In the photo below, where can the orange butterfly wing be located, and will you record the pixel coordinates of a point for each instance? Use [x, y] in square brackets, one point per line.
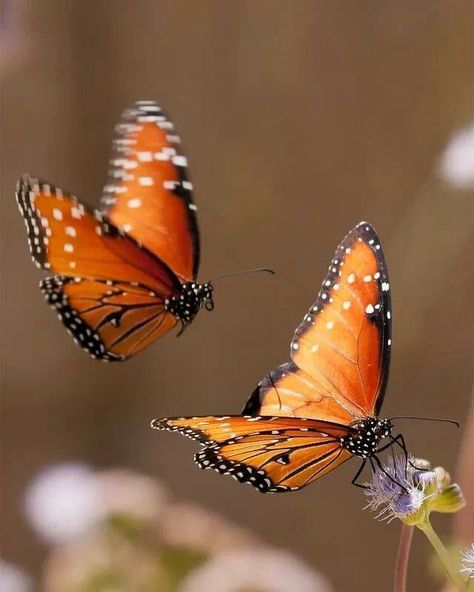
[111, 320]
[149, 195]
[290, 392]
[343, 343]
[110, 293]
[274, 454]
[341, 350]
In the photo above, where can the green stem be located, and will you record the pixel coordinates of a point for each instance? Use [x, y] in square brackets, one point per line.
[443, 555]
[403, 555]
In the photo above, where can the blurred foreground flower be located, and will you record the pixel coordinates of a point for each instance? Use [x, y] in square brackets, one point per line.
[124, 492]
[189, 525]
[117, 531]
[13, 579]
[457, 162]
[259, 569]
[409, 489]
[63, 502]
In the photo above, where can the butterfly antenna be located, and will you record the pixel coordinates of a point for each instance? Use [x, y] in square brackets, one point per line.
[245, 272]
[442, 419]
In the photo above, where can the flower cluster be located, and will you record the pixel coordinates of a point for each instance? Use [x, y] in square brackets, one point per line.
[122, 531]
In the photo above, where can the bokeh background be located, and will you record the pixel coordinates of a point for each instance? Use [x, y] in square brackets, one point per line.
[299, 119]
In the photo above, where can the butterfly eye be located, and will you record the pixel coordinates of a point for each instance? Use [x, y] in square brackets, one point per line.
[209, 304]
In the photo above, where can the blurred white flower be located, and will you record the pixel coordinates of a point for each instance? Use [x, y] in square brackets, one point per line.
[457, 162]
[467, 562]
[259, 569]
[13, 579]
[63, 502]
[132, 494]
[187, 525]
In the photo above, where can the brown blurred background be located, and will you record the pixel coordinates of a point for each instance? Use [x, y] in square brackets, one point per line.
[299, 119]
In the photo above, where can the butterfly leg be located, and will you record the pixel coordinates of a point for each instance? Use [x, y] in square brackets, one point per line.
[359, 471]
[400, 441]
[387, 474]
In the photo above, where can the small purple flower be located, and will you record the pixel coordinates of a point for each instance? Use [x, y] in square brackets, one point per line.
[411, 491]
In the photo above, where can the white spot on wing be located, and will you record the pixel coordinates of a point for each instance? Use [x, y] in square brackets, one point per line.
[135, 202]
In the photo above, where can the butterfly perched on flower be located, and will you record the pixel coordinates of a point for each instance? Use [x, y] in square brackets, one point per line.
[311, 414]
[124, 274]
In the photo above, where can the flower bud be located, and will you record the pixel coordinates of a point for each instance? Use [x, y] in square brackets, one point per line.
[449, 500]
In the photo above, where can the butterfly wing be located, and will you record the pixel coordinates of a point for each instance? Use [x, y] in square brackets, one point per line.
[111, 320]
[274, 454]
[343, 343]
[109, 291]
[288, 391]
[149, 195]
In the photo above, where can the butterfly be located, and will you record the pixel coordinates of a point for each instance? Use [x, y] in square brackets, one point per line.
[311, 414]
[124, 274]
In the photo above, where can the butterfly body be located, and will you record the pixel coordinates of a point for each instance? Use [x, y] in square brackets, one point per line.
[368, 432]
[124, 274]
[189, 300]
[311, 414]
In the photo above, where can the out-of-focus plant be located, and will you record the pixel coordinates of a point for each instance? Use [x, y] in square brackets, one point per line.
[467, 562]
[412, 491]
[120, 531]
[13, 579]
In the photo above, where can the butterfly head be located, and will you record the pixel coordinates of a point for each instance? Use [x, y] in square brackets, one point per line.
[365, 438]
[206, 295]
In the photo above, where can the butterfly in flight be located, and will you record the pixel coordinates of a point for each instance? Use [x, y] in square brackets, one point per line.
[124, 274]
[310, 415]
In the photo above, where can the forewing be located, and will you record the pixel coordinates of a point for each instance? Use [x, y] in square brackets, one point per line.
[149, 195]
[274, 454]
[343, 343]
[66, 238]
[111, 320]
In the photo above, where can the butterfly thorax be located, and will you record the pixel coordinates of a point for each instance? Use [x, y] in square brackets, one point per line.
[186, 303]
[365, 439]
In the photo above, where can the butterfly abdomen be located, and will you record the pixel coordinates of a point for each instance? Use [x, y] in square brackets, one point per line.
[364, 441]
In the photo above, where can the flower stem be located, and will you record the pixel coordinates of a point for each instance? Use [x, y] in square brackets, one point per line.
[401, 566]
[443, 555]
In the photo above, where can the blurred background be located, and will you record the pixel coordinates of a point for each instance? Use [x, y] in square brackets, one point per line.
[299, 119]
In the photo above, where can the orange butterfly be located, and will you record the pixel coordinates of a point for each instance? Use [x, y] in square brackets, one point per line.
[310, 415]
[124, 274]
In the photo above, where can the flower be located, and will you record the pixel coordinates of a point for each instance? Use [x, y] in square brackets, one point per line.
[411, 491]
[188, 525]
[457, 162]
[13, 579]
[254, 568]
[69, 500]
[467, 561]
[63, 502]
[125, 493]
[101, 561]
